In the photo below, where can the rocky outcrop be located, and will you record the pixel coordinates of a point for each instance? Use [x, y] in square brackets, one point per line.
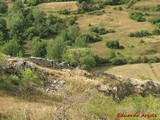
[117, 86]
[53, 86]
[130, 86]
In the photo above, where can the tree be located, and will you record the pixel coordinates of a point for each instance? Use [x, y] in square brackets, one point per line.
[18, 6]
[38, 15]
[3, 7]
[16, 23]
[11, 48]
[81, 57]
[3, 31]
[38, 48]
[56, 48]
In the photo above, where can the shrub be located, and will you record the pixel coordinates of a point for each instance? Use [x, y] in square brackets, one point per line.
[56, 48]
[98, 30]
[118, 60]
[81, 57]
[96, 12]
[113, 44]
[91, 37]
[156, 8]
[38, 48]
[28, 80]
[139, 34]
[139, 17]
[100, 60]
[156, 31]
[115, 58]
[64, 12]
[155, 20]
[118, 8]
[11, 48]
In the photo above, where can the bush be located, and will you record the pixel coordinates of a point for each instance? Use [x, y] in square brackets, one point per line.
[156, 31]
[115, 58]
[100, 60]
[56, 48]
[38, 48]
[91, 37]
[140, 34]
[11, 48]
[118, 61]
[64, 12]
[155, 20]
[98, 30]
[87, 7]
[28, 80]
[118, 8]
[139, 17]
[81, 57]
[113, 44]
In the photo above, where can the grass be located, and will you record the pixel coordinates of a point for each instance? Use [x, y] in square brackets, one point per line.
[55, 6]
[138, 71]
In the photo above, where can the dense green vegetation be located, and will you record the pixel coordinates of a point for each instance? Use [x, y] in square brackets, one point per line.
[146, 8]
[22, 83]
[140, 34]
[139, 17]
[96, 108]
[25, 22]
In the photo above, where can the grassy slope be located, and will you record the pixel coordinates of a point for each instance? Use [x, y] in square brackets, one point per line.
[140, 71]
[117, 20]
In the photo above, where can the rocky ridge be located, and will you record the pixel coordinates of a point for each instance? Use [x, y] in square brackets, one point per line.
[117, 86]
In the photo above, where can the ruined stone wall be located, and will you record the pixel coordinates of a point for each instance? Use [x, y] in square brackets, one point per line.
[48, 63]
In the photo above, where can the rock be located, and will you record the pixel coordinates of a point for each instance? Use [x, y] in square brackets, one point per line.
[124, 88]
[53, 86]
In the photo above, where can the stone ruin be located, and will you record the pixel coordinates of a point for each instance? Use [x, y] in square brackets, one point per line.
[48, 63]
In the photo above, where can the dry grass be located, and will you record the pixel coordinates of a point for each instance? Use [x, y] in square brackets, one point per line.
[148, 3]
[13, 106]
[55, 6]
[140, 71]
[122, 24]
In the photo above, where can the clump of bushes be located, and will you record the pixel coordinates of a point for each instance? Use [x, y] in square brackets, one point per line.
[114, 44]
[91, 37]
[137, 16]
[81, 57]
[100, 30]
[156, 31]
[118, 8]
[85, 6]
[155, 20]
[116, 58]
[139, 34]
[23, 83]
[96, 12]
[64, 12]
[147, 8]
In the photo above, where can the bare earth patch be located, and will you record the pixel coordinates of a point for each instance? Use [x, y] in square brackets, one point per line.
[55, 6]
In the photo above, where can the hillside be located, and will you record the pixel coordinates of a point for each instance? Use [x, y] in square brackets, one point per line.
[79, 87]
[79, 59]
